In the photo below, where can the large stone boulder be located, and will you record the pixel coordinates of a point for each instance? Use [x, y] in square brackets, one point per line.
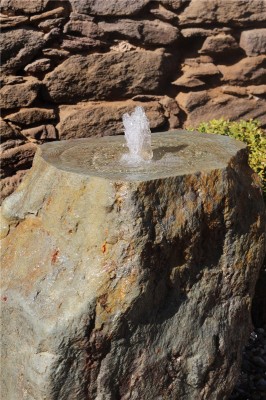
[106, 76]
[130, 282]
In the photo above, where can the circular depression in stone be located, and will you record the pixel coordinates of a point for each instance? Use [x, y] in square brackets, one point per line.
[174, 153]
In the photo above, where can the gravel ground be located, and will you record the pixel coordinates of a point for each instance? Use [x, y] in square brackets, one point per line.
[252, 381]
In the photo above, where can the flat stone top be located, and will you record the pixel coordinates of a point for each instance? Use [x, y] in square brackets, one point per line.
[174, 153]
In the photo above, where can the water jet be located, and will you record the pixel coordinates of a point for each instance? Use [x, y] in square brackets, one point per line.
[138, 137]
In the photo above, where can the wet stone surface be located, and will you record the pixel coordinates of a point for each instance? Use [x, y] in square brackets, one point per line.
[173, 154]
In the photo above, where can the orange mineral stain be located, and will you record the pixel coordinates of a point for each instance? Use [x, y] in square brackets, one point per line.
[104, 248]
[54, 256]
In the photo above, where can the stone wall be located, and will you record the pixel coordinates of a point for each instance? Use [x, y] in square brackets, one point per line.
[70, 69]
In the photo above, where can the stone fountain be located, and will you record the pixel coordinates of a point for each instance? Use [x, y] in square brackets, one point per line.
[130, 279]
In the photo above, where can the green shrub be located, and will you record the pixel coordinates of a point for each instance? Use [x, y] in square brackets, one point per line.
[248, 132]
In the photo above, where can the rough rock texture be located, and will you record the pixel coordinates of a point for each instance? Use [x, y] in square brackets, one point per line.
[25, 6]
[12, 21]
[250, 69]
[79, 44]
[253, 42]
[175, 5]
[9, 184]
[84, 27]
[55, 13]
[18, 47]
[129, 284]
[40, 133]
[7, 131]
[57, 54]
[19, 95]
[37, 66]
[197, 32]
[201, 106]
[29, 116]
[48, 24]
[149, 32]
[233, 12]
[126, 27]
[160, 33]
[161, 12]
[110, 7]
[103, 118]
[16, 157]
[219, 44]
[195, 73]
[105, 76]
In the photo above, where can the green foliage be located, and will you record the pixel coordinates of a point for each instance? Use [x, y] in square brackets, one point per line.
[248, 132]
